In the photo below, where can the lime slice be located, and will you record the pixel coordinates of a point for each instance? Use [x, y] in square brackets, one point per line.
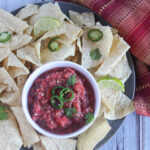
[45, 24]
[111, 83]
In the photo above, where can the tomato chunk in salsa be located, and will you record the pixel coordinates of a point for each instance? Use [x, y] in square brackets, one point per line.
[55, 120]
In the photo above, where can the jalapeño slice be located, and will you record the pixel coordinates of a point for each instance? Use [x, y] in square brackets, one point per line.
[56, 102]
[4, 37]
[66, 95]
[56, 90]
[95, 35]
[53, 44]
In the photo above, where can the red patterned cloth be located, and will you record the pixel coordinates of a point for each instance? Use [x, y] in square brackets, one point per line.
[132, 19]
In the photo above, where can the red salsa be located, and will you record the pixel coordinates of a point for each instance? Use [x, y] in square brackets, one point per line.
[60, 99]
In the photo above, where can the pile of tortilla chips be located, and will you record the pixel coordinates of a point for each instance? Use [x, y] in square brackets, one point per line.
[23, 53]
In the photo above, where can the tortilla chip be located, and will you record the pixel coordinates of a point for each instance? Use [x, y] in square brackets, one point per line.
[4, 28]
[5, 78]
[38, 49]
[21, 80]
[91, 137]
[58, 144]
[60, 55]
[2, 87]
[79, 44]
[69, 58]
[86, 18]
[99, 24]
[48, 10]
[29, 135]
[101, 111]
[75, 58]
[17, 41]
[114, 31]
[117, 104]
[121, 70]
[11, 98]
[28, 31]
[10, 138]
[104, 46]
[4, 52]
[67, 32]
[38, 146]
[11, 22]
[12, 60]
[23, 61]
[28, 65]
[28, 53]
[27, 11]
[33, 67]
[108, 98]
[92, 71]
[118, 50]
[64, 39]
[15, 67]
[72, 32]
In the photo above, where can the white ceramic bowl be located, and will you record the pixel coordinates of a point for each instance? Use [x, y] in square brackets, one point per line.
[45, 68]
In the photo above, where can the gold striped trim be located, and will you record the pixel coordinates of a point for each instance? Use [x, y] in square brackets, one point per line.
[142, 87]
[104, 7]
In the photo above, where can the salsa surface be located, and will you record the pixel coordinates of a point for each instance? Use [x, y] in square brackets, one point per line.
[55, 120]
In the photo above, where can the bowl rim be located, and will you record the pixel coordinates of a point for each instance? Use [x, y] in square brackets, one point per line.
[49, 66]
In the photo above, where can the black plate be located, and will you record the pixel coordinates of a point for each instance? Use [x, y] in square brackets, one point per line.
[130, 84]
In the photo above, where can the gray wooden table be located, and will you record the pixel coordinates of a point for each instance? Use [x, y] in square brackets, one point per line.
[134, 134]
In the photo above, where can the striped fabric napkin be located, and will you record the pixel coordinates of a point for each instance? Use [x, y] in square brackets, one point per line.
[132, 19]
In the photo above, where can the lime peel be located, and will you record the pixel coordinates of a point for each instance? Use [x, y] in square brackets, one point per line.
[111, 83]
[44, 24]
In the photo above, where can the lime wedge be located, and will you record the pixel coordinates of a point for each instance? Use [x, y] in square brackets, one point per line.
[111, 83]
[45, 24]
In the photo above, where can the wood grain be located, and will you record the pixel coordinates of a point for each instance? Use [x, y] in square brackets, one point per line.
[134, 134]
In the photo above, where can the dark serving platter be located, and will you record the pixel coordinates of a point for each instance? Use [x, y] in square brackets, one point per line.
[130, 84]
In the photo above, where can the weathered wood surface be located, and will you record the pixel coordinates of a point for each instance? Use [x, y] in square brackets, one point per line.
[134, 134]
